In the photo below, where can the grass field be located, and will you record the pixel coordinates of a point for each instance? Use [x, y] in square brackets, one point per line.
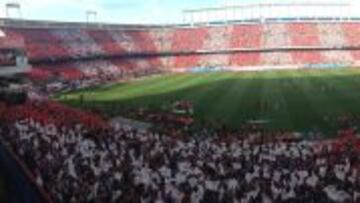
[296, 100]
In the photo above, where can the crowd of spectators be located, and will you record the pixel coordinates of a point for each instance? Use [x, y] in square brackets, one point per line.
[76, 157]
[57, 77]
[74, 44]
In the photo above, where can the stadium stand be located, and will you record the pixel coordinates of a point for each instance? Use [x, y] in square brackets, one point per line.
[80, 154]
[76, 156]
[332, 35]
[39, 73]
[217, 39]
[40, 43]
[143, 41]
[163, 42]
[351, 34]
[170, 48]
[48, 112]
[124, 40]
[305, 35]
[78, 42]
[146, 44]
[105, 41]
[188, 40]
[247, 37]
[10, 40]
[276, 36]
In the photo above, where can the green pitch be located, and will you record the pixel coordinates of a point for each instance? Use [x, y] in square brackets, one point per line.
[296, 100]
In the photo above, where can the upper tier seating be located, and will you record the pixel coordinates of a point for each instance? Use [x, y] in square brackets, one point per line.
[39, 43]
[125, 41]
[352, 37]
[78, 42]
[163, 43]
[106, 42]
[276, 36]
[217, 39]
[143, 41]
[248, 36]
[332, 35]
[305, 35]
[186, 40]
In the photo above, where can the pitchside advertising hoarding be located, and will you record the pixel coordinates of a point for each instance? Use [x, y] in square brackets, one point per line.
[267, 67]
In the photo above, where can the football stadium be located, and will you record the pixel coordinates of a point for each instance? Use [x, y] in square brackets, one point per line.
[232, 101]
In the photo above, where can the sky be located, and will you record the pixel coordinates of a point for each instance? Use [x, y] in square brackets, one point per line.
[150, 11]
